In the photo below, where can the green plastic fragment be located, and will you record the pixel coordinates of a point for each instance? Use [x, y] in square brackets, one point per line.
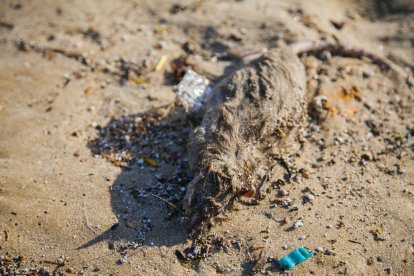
[294, 258]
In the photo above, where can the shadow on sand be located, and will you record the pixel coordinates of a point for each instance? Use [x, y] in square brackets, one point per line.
[146, 196]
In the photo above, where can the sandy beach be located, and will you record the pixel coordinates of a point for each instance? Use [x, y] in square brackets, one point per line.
[93, 145]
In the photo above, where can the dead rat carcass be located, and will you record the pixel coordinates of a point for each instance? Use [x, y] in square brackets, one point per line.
[247, 116]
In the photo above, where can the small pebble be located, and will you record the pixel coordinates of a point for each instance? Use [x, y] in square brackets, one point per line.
[122, 260]
[286, 202]
[308, 197]
[370, 261]
[283, 193]
[298, 224]
[285, 247]
[124, 37]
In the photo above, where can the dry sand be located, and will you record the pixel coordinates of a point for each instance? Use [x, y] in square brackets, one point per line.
[61, 197]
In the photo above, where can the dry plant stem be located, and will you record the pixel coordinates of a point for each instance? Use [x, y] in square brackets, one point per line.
[338, 49]
[26, 46]
[303, 47]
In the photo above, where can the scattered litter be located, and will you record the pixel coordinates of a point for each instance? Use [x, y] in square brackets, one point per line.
[193, 91]
[294, 258]
[161, 63]
[285, 247]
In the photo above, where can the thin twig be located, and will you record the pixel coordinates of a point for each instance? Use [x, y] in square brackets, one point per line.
[166, 201]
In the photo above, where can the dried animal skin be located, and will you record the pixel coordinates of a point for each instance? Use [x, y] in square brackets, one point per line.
[253, 108]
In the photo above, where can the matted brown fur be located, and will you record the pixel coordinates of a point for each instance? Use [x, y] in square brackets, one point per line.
[247, 116]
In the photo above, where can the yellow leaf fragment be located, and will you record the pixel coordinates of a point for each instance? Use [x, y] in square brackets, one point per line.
[138, 80]
[88, 90]
[376, 232]
[133, 223]
[150, 162]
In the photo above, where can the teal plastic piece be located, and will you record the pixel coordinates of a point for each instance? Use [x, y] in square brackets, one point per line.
[295, 257]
